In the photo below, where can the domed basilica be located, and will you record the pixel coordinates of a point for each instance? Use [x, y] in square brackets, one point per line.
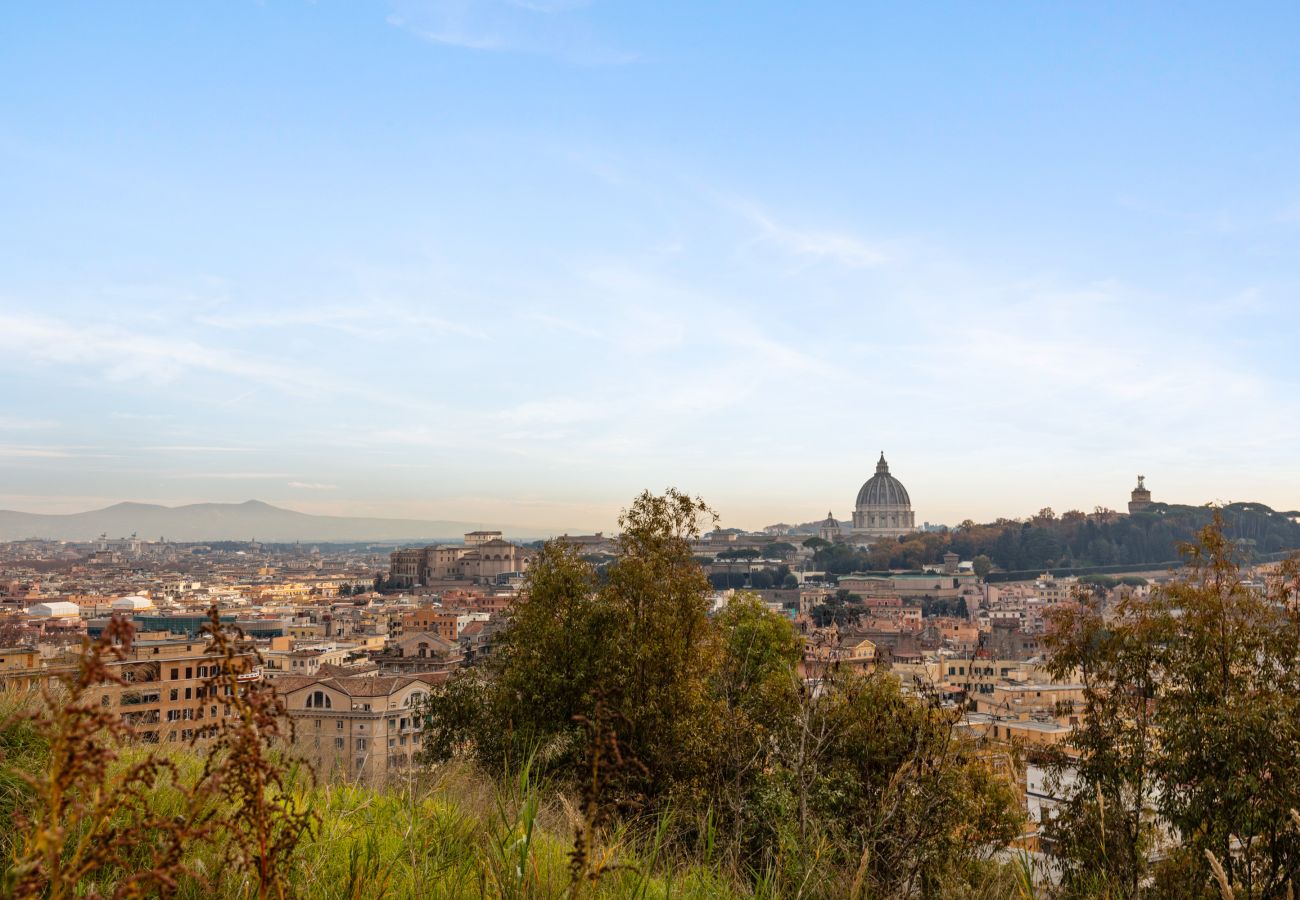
[883, 509]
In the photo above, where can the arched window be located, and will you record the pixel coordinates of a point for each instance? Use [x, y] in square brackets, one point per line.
[319, 700]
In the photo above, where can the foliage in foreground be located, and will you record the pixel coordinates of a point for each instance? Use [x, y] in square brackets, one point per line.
[103, 815]
[1189, 767]
[625, 689]
[628, 744]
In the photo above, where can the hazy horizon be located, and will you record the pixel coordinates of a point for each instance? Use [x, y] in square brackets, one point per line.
[610, 524]
[516, 262]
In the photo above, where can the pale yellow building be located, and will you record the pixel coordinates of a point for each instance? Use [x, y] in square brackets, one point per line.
[360, 728]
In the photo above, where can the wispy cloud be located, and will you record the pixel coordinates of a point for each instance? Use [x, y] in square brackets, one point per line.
[560, 324]
[228, 476]
[21, 451]
[543, 27]
[128, 355]
[312, 486]
[362, 320]
[818, 245]
[196, 448]
[16, 423]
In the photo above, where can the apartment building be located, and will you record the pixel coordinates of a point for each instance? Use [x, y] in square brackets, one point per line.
[164, 695]
[968, 678]
[361, 727]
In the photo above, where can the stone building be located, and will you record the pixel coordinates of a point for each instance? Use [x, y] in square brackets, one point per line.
[362, 728]
[883, 508]
[1140, 499]
[829, 530]
[483, 557]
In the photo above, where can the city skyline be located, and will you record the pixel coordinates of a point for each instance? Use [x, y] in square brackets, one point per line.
[517, 262]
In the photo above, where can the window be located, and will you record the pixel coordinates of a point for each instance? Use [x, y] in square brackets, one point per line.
[338, 723]
[361, 743]
[319, 700]
[176, 673]
[189, 672]
[338, 743]
[189, 693]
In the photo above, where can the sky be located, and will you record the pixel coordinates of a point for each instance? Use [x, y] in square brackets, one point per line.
[517, 260]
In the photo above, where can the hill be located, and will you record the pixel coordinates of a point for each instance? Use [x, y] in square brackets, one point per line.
[232, 521]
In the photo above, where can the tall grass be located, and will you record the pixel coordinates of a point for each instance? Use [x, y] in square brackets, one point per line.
[448, 834]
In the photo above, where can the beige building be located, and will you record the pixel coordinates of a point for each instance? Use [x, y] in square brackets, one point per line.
[1140, 498]
[362, 728]
[980, 676]
[304, 660]
[164, 697]
[483, 557]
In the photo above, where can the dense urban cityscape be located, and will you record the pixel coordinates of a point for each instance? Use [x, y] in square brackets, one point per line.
[577, 450]
[354, 637]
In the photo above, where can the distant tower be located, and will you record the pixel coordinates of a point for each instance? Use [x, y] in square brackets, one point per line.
[1140, 499]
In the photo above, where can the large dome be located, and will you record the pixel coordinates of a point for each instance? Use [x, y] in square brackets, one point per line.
[883, 489]
[884, 508]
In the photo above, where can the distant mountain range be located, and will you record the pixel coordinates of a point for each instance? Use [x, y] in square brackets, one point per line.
[233, 522]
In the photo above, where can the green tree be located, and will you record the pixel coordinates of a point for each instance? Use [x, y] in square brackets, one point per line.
[853, 787]
[895, 795]
[1208, 665]
[779, 550]
[1229, 717]
[982, 565]
[1103, 834]
[666, 648]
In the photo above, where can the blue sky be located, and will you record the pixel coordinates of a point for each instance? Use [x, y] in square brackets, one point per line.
[515, 261]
